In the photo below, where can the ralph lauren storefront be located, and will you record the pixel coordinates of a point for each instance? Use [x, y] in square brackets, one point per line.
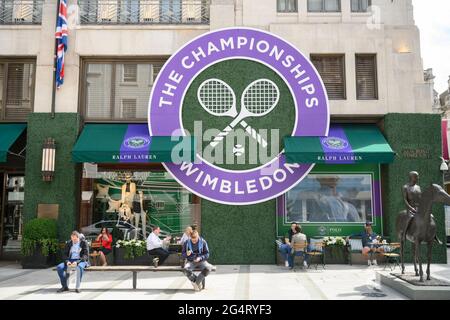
[265, 151]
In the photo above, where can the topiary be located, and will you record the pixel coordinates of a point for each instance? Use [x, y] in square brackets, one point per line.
[39, 233]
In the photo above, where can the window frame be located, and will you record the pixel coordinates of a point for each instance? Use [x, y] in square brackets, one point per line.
[4, 92]
[369, 4]
[323, 8]
[287, 11]
[127, 98]
[82, 102]
[123, 80]
[344, 71]
[374, 56]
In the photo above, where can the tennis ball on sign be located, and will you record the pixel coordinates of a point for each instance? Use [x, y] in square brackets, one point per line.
[238, 150]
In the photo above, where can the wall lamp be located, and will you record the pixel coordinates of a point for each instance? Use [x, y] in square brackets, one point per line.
[48, 159]
[444, 165]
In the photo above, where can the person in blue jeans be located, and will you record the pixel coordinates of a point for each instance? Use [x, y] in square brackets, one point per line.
[285, 248]
[299, 238]
[76, 255]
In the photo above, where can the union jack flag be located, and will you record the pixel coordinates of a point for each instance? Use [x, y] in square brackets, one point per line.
[61, 41]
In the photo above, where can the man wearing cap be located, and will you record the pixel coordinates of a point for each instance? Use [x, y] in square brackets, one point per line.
[369, 241]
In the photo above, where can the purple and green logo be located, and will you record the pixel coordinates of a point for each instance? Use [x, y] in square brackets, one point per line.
[239, 91]
[335, 143]
[136, 142]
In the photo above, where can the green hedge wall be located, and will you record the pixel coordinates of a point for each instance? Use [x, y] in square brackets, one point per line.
[416, 138]
[240, 234]
[64, 188]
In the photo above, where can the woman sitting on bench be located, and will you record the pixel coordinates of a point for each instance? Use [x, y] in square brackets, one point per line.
[106, 240]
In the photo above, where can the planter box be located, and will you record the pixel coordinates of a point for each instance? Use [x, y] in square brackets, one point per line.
[145, 260]
[335, 255]
[38, 260]
[119, 259]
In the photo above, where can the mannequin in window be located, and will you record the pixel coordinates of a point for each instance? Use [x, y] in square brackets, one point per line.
[139, 213]
[128, 191]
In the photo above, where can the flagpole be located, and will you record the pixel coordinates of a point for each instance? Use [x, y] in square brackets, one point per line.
[54, 63]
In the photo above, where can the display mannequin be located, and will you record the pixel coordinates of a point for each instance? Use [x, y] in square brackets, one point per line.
[126, 201]
[128, 191]
[139, 213]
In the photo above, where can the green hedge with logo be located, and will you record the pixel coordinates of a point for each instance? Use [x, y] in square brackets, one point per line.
[240, 234]
[416, 138]
[66, 184]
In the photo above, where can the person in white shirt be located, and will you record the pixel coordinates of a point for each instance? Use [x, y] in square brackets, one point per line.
[155, 246]
[298, 238]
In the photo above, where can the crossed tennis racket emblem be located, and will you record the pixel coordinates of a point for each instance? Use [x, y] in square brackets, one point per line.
[258, 99]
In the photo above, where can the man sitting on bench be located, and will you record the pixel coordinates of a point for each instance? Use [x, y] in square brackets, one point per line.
[155, 247]
[196, 252]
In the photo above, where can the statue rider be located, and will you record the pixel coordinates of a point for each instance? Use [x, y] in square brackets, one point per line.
[412, 193]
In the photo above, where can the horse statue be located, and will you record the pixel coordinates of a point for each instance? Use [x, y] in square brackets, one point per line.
[421, 227]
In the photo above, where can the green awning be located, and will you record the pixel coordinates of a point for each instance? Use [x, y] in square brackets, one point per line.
[345, 144]
[129, 143]
[9, 133]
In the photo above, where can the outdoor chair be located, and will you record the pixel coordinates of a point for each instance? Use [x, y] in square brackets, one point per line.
[315, 250]
[392, 255]
[299, 248]
[354, 246]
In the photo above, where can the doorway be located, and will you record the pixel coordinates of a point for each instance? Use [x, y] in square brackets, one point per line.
[11, 211]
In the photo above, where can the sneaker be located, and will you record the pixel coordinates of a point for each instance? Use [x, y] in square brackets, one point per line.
[374, 262]
[77, 290]
[200, 286]
[305, 264]
[62, 290]
[195, 285]
[369, 263]
[286, 264]
[155, 262]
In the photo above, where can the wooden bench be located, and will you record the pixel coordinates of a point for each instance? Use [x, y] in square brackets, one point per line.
[136, 269]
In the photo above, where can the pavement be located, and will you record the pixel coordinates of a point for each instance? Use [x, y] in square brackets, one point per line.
[230, 282]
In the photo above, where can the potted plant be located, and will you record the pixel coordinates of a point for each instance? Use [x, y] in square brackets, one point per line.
[131, 252]
[39, 244]
[334, 250]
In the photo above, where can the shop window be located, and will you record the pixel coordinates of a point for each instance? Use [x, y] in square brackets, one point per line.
[16, 90]
[324, 5]
[332, 71]
[287, 6]
[361, 5]
[366, 77]
[331, 198]
[165, 203]
[108, 85]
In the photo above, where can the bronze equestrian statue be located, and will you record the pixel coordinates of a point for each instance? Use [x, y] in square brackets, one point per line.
[417, 224]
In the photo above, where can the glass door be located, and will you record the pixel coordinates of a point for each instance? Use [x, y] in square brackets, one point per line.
[12, 215]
